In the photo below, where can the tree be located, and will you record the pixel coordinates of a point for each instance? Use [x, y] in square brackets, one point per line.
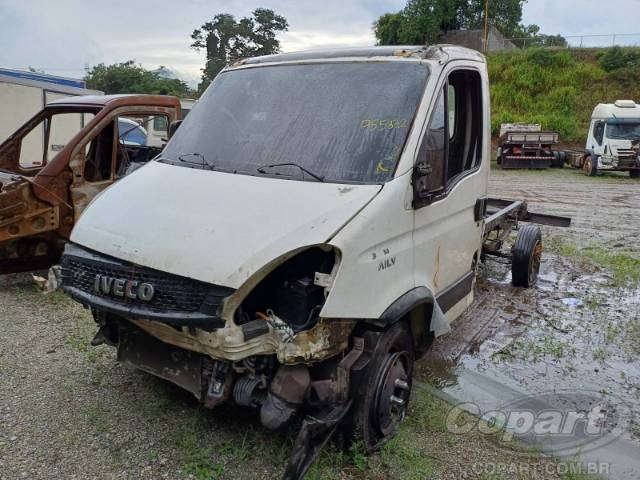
[226, 40]
[530, 36]
[423, 21]
[129, 77]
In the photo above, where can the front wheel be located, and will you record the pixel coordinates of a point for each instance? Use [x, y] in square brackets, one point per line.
[589, 166]
[380, 407]
[526, 257]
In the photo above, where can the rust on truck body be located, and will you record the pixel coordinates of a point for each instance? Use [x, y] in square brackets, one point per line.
[39, 205]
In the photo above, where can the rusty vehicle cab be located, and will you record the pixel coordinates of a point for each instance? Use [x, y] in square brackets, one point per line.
[314, 224]
[57, 162]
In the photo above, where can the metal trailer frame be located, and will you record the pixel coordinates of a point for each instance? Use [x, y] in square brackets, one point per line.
[502, 217]
[528, 150]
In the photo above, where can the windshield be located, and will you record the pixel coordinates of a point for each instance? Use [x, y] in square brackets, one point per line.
[624, 131]
[344, 122]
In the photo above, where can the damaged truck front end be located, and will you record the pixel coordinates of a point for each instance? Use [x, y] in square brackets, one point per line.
[263, 346]
[226, 344]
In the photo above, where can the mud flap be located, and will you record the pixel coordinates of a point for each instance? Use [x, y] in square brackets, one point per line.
[439, 323]
[314, 434]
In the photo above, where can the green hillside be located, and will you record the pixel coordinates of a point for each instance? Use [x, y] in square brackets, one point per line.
[560, 88]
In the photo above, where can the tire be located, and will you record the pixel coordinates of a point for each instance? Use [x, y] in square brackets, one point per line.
[563, 159]
[526, 257]
[634, 173]
[375, 415]
[589, 166]
[558, 160]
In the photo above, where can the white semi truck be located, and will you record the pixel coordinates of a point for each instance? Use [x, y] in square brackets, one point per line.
[613, 143]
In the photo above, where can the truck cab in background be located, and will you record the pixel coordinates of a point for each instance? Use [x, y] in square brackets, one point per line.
[613, 143]
[59, 160]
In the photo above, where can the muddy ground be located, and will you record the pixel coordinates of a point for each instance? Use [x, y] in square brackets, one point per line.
[68, 410]
[572, 340]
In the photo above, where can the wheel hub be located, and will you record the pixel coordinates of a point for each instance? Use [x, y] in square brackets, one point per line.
[536, 259]
[392, 393]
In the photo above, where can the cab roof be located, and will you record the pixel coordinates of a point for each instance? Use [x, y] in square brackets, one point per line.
[424, 52]
[116, 100]
[620, 109]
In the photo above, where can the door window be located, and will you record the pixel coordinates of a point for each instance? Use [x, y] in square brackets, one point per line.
[465, 112]
[63, 127]
[48, 137]
[99, 160]
[32, 147]
[433, 151]
[598, 131]
[452, 145]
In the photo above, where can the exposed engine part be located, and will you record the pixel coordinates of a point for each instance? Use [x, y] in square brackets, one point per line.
[218, 389]
[249, 391]
[300, 302]
[280, 326]
[254, 329]
[291, 291]
[286, 395]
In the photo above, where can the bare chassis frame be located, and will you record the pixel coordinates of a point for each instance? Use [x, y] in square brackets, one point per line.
[502, 217]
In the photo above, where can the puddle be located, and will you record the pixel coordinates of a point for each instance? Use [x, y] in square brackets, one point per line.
[571, 332]
[572, 302]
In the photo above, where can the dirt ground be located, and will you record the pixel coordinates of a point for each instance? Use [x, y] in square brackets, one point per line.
[68, 410]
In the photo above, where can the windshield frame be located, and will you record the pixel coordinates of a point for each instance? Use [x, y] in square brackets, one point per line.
[162, 158]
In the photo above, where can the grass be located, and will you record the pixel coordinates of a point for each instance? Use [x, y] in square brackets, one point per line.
[557, 89]
[623, 265]
[633, 334]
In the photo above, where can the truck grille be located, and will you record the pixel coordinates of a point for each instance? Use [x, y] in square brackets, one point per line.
[627, 154]
[172, 293]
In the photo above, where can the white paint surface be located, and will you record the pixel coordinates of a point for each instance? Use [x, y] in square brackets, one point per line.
[213, 226]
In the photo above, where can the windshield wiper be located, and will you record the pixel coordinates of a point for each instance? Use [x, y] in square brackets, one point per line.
[319, 178]
[204, 163]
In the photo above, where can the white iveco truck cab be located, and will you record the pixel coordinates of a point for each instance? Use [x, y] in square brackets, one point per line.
[314, 223]
[613, 143]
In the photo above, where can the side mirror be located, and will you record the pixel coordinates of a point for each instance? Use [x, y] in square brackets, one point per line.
[421, 173]
[173, 127]
[428, 172]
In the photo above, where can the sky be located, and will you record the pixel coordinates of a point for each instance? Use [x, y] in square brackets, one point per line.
[63, 36]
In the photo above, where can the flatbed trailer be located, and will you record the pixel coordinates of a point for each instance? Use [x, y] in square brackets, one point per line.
[529, 149]
[501, 218]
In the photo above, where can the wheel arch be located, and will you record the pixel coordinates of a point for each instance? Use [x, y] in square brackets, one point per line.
[417, 308]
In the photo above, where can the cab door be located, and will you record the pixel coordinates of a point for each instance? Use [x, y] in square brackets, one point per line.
[450, 187]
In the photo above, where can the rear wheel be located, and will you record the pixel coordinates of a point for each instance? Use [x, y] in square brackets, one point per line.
[634, 173]
[526, 256]
[558, 159]
[589, 166]
[380, 407]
